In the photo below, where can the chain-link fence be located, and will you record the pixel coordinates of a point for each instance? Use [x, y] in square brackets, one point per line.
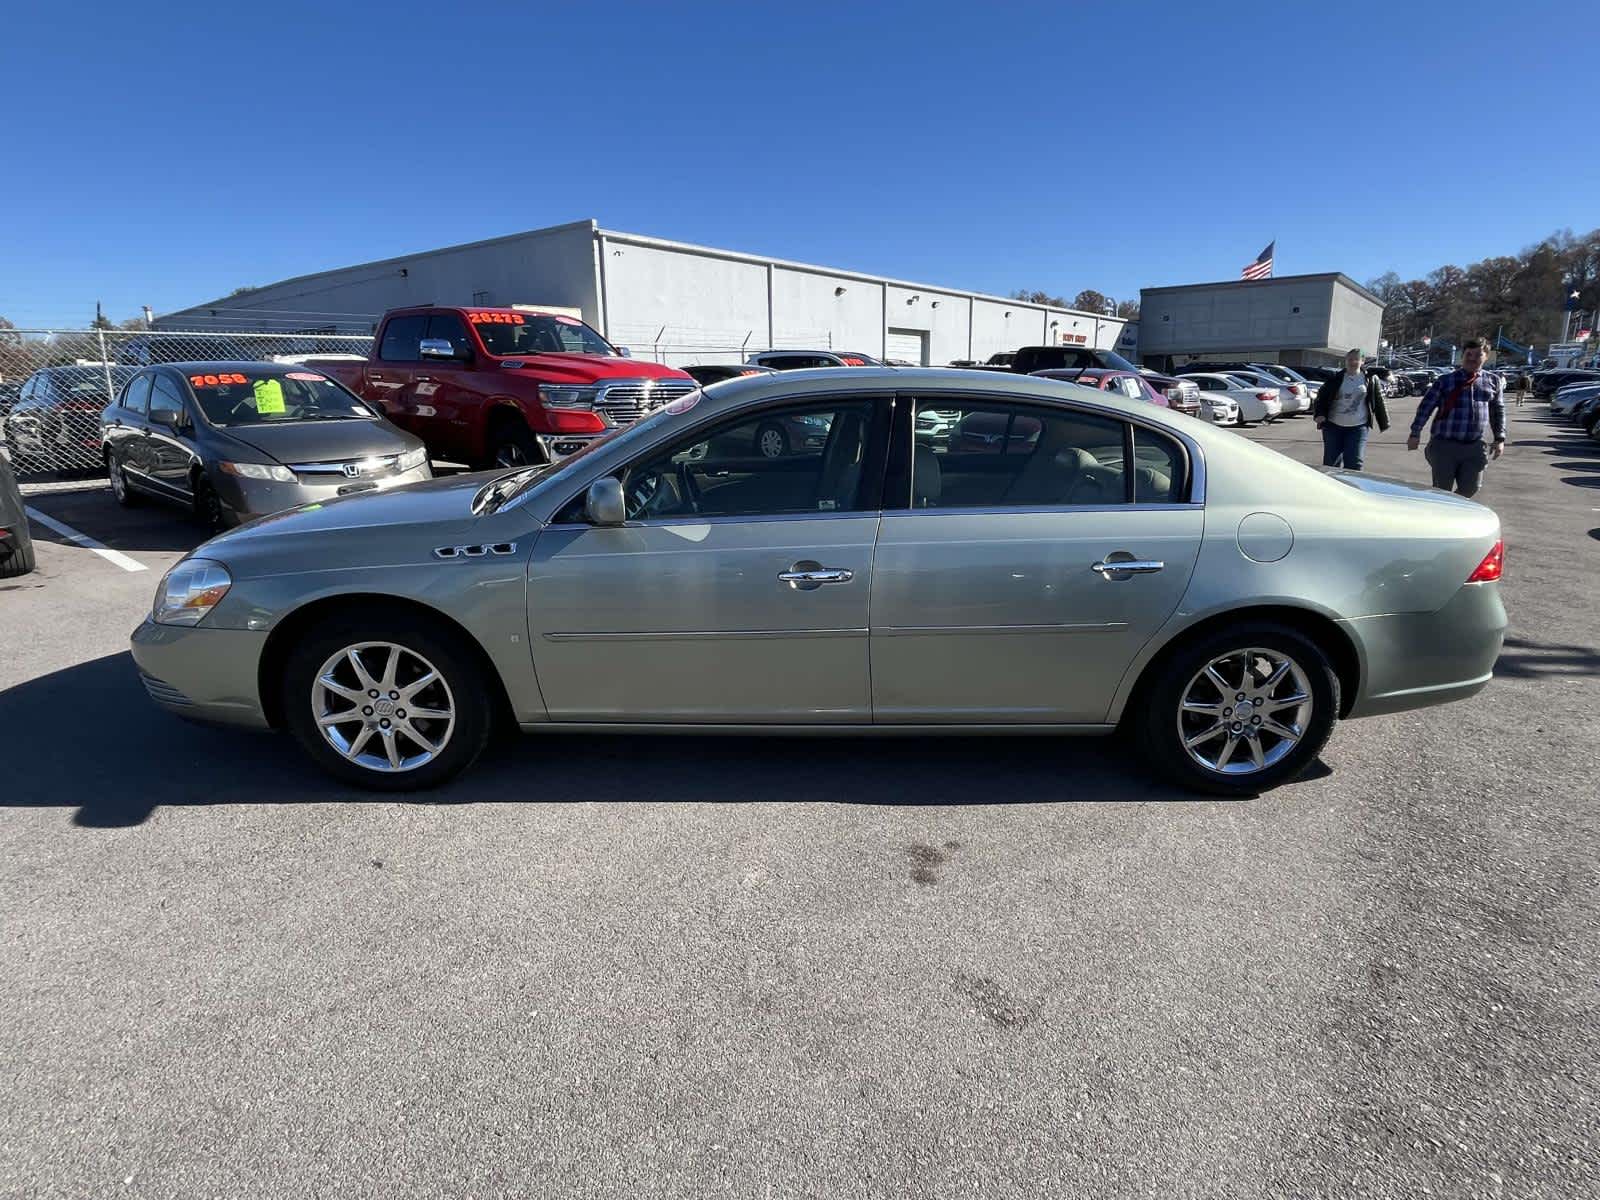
[55, 382]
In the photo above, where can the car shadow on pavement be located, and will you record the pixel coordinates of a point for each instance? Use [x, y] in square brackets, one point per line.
[152, 526]
[88, 738]
[1524, 658]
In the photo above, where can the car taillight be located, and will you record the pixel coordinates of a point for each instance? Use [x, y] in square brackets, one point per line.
[1266, 396]
[1492, 565]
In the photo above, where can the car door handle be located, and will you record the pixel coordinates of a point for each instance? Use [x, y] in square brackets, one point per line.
[804, 576]
[1122, 568]
[422, 379]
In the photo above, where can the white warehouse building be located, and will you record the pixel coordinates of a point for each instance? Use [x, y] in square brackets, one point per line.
[671, 301]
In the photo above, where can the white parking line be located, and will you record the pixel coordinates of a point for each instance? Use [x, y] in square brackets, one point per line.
[115, 557]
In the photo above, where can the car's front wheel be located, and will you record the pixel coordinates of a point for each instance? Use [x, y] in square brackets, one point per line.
[1239, 711]
[392, 702]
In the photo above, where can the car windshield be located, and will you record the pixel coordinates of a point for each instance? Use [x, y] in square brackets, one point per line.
[508, 334]
[264, 396]
[514, 483]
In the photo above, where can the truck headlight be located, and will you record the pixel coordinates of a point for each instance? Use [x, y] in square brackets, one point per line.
[189, 591]
[257, 471]
[566, 396]
[412, 459]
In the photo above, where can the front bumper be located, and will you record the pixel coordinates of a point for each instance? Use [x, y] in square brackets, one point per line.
[245, 499]
[1416, 660]
[202, 674]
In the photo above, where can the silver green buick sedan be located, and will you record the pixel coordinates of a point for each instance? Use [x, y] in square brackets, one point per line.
[1055, 561]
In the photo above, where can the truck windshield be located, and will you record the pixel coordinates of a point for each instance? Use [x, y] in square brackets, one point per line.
[240, 396]
[510, 334]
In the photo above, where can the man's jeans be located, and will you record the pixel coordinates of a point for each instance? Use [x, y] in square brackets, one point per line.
[1344, 445]
[1457, 466]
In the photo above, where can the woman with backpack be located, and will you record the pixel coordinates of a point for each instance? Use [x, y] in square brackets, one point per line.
[1346, 409]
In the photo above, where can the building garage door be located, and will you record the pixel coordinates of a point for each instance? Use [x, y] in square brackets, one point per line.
[907, 345]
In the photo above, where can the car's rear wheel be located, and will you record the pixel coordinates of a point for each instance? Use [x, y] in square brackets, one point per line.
[1239, 711]
[124, 494]
[393, 703]
[16, 556]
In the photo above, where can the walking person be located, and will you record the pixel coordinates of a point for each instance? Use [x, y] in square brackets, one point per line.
[1465, 404]
[1346, 409]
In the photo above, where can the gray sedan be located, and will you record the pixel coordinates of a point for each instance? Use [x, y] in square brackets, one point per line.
[1100, 563]
[237, 440]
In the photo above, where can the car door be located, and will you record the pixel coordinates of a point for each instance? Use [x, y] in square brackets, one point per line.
[996, 596]
[737, 590]
[126, 434]
[389, 379]
[443, 394]
[170, 450]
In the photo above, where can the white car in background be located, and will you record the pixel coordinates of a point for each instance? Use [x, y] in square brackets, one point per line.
[1250, 401]
[1294, 398]
[1304, 390]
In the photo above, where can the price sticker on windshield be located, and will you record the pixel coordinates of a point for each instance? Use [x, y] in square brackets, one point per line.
[269, 395]
[305, 377]
[496, 318]
[201, 381]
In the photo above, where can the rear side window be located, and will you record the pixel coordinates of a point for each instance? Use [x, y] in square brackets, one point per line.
[136, 396]
[402, 339]
[1159, 470]
[999, 455]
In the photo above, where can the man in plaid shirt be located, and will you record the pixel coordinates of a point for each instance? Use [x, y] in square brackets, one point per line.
[1465, 404]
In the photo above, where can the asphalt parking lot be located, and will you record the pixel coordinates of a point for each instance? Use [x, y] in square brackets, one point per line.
[697, 967]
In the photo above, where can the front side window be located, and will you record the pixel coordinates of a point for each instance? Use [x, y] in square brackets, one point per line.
[402, 339]
[448, 326]
[164, 397]
[804, 459]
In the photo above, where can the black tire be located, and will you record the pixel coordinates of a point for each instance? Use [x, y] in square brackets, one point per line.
[444, 650]
[19, 561]
[208, 512]
[511, 444]
[124, 494]
[1158, 724]
[771, 440]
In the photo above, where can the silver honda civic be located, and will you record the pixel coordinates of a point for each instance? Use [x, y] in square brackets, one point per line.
[1056, 560]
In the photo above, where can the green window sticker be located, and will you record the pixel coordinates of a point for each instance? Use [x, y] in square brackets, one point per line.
[269, 396]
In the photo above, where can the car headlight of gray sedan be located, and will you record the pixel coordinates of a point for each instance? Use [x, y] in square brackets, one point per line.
[1060, 560]
[189, 591]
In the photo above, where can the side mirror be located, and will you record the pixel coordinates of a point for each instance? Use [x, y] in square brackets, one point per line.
[623, 351]
[603, 505]
[174, 419]
[438, 348]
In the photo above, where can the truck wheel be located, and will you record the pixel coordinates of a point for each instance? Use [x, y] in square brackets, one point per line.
[512, 445]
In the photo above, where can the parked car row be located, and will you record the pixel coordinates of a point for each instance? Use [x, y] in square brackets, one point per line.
[1580, 403]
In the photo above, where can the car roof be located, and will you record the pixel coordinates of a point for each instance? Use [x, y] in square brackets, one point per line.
[207, 366]
[751, 389]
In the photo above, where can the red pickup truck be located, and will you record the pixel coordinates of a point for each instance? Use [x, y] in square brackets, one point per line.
[502, 386]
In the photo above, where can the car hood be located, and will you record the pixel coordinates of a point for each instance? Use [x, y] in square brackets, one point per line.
[590, 368]
[323, 441]
[433, 506]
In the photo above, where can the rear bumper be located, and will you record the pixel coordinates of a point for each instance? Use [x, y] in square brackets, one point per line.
[202, 674]
[1415, 660]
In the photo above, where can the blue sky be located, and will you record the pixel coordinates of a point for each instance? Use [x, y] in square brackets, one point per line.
[167, 153]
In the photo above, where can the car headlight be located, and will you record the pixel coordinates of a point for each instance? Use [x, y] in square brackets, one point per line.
[566, 397]
[412, 459]
[257, 471]
[189, 591]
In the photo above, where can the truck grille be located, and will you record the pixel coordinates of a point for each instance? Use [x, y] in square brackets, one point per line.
[629, 399]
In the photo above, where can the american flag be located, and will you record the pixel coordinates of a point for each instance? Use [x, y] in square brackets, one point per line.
[1261, 268]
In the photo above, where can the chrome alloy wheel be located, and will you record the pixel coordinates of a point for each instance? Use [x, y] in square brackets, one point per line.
[384, 707]
[1244, 711]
